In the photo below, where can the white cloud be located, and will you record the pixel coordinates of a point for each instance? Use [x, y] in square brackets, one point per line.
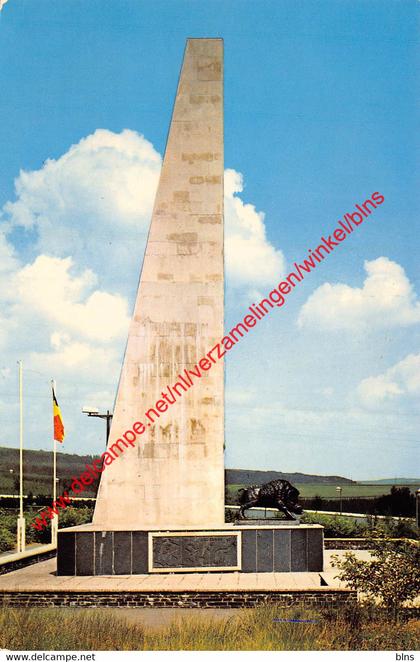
[71, 355]
[55, 318]
[386, 299]
[8, 260]
[402, 379]
[236, 397]
[106, 174]
[93, 203]
[47, 288]
[250, 258]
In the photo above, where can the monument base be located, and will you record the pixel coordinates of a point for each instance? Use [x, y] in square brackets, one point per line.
[91, 550]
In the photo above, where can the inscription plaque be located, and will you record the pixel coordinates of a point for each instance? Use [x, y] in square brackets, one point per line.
[172, 552]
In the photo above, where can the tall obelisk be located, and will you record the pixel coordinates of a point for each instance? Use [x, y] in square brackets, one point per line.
[174, 476]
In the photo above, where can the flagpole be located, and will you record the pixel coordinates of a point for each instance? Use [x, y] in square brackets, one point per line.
[54, 450]
[55, 471]
[21, 519]
[54, 522]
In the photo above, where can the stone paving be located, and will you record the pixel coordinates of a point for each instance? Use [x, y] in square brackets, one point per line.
[41, 577]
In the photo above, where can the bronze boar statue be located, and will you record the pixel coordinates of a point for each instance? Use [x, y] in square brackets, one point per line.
[276, 494]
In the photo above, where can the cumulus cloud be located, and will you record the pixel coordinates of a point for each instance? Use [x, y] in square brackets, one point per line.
[250, 258]
[108, 175]
[402, 379]
[386, 299]
[48, 288]
[70, 355]
[92, 203]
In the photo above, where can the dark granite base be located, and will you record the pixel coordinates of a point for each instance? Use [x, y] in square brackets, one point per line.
[249, 549]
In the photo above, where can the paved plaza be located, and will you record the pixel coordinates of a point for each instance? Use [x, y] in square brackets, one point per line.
[42, 577]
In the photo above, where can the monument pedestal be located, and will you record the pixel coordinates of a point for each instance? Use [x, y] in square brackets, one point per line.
[91, 550]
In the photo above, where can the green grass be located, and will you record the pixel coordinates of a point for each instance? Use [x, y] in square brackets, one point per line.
[310, 490]
[250, 629]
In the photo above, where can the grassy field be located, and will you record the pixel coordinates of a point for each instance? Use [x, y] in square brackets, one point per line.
[310, 490]
[249, 629]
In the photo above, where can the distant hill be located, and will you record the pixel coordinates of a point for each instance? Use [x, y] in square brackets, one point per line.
[391, 481]
[38, 472]
[247, 477]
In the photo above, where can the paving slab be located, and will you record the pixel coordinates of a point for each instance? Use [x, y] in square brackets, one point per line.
[41, 577]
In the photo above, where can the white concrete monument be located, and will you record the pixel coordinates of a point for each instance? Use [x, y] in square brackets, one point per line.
[175, 475]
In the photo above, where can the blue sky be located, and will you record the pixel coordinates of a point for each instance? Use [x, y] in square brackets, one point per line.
[319, 113]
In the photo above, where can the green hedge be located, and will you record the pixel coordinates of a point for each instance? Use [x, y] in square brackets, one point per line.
[347, 527]
[8, 524]
[7, 540]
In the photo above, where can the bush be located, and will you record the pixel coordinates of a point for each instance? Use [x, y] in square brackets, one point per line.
[69, 517]
[402, 529]
[391, 576]
[8, 520]
[32, 535]
[400, 501]
[7, 540]
[75, 516]
[347, 527]
[336, 526]
[72, 516]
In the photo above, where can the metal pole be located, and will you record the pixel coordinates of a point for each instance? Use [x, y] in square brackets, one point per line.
[339, 489]
[54, 450]
[54, 521]
[20, 440]
[21, 519]
[55, 471]
[108, 425]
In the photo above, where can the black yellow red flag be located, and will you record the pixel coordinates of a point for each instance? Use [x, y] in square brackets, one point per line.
[58, 421]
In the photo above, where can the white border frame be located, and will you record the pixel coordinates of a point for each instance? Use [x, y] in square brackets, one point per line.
[191, 534]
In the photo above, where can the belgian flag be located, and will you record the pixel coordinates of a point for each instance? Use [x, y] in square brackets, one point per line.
[58, 421]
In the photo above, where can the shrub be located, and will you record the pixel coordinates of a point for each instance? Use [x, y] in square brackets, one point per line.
[7, 540]
[403, 528]
[336, 526]
[347, 527]
[33, 535]
[8, 520]
[391, 576]
[75, 516]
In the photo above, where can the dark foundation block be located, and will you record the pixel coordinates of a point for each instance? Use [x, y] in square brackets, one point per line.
[86, 550]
